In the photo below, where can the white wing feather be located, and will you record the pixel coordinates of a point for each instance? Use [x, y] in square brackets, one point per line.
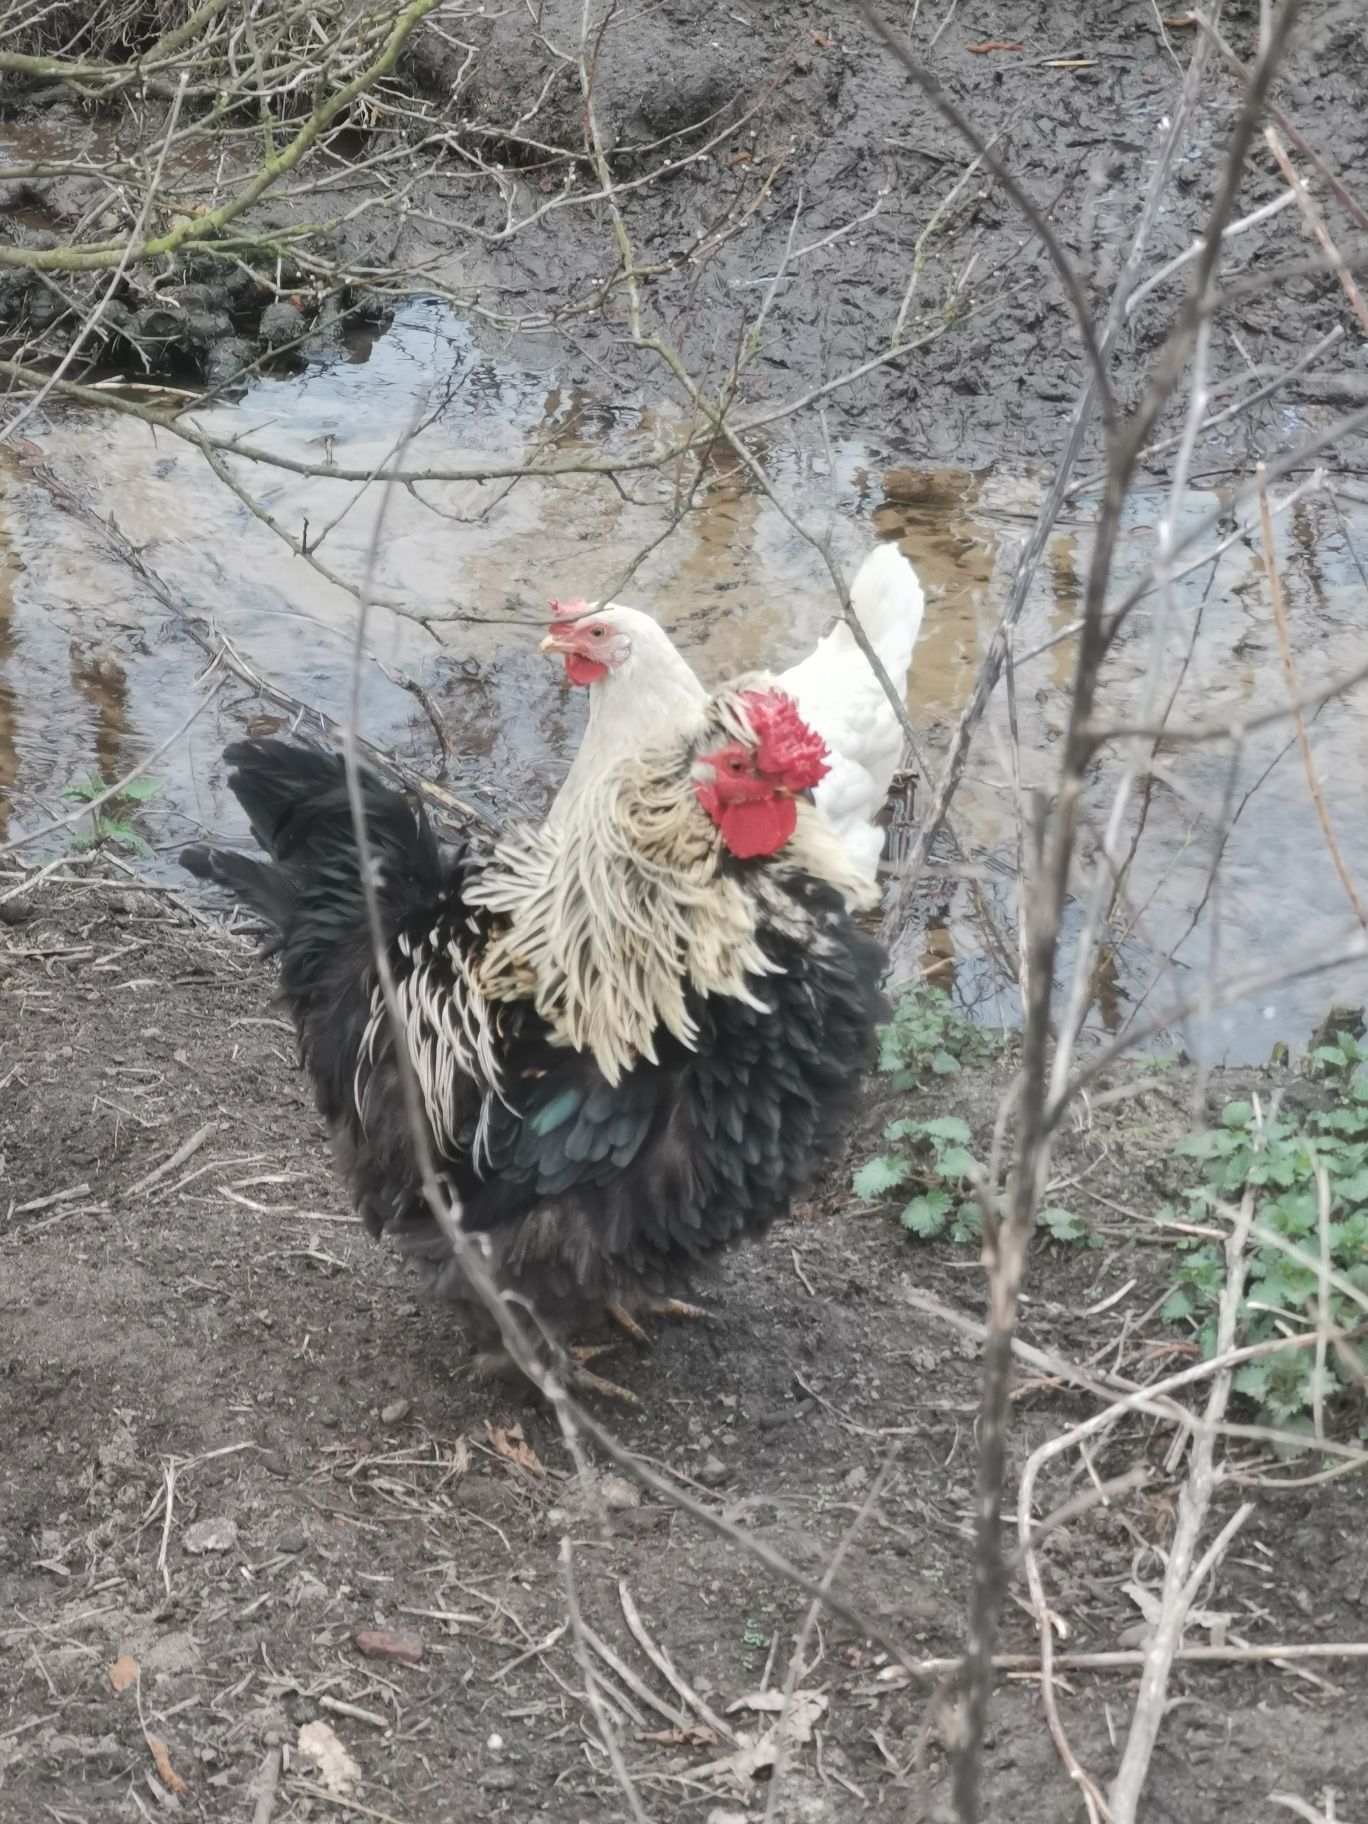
[840, 697]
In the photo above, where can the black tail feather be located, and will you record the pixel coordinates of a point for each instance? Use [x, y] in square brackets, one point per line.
[297, 803]
[257, 883]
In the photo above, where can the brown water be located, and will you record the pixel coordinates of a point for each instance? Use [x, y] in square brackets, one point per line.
[94, 672]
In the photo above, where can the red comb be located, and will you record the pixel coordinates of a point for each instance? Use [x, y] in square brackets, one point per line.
[570, 611]
[788, 751]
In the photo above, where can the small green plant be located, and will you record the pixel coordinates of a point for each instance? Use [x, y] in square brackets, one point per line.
[934, 1155]
[1338, 1059]
[929, 1037]
[1279, 1160]
[111, 821]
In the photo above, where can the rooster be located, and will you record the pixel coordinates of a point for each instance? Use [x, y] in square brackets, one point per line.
[640, 683]
[637, 1029]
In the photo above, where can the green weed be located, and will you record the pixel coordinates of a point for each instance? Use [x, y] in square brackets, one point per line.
[1279, 1162]
[112, 821]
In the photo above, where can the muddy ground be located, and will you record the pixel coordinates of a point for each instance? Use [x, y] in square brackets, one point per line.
[230, 1322]
[804, 112]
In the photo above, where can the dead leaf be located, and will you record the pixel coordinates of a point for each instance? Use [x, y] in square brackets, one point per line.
[460, 1457]
[760, 1700]
[823, 40]
[514, 1448]
[694, 1736]
[993, 44]
[383, 1643]
[165, 1771]
[793, 1728]
[337, 1771]
[123, 1673]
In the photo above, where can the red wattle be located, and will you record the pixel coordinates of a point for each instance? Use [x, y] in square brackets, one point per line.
[580, 670]
[760, 827]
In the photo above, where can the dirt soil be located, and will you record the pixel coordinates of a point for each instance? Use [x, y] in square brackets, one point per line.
[221, 1334]
[801, 90]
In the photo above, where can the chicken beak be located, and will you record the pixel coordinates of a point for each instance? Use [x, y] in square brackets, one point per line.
[555, 642]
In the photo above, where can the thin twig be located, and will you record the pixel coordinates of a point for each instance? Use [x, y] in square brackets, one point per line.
[1275, 595]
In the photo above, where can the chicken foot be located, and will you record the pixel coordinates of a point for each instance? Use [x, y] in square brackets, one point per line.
[653, 1307]
[583, 1379]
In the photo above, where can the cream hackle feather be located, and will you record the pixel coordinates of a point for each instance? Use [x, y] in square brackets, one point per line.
[620, 906]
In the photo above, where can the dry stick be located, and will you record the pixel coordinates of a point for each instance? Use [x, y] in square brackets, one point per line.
[1303, 740]
[591, 1687]
[266, 1782]
[664, 1665]
[181, 1154]
[1181, 1581]
[1322, 1298]
[100, 257]
[1312, 217]
[1125, 1659]
[311, 1791]
[1290, 1802]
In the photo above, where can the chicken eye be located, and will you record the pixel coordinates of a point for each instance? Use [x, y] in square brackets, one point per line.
[736, 766]
[597, 632]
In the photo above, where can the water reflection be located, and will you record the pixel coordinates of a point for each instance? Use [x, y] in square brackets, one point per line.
[99, 672]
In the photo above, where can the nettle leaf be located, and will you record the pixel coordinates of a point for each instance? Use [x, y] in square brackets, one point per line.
[968, 1223]
[944, 1065]
[1177, 1306]
[880, 1176]
[123, 835]
[1237, 1114]
[925, 1216]
[1353, 1189]
[1062, 1224]
[902, 1129]
[1346, 1120]
[956, 1162]
[1252, 1378]
[83, 792]
[138, 791]
[948, 1127]
[1202, 1146]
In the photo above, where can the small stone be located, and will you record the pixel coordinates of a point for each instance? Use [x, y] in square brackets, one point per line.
[773, 1417]
[219, 1535]
[273, 1463]
[396, 1410]
[224, 360]
[307, 1592]
[619, 1494]
[382, 1643]
[711, 1472]
[291, 1540]
[497, 1779]
[281, 322]
[172, 1653]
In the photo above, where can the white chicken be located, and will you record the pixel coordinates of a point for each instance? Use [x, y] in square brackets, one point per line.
[641, 685]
